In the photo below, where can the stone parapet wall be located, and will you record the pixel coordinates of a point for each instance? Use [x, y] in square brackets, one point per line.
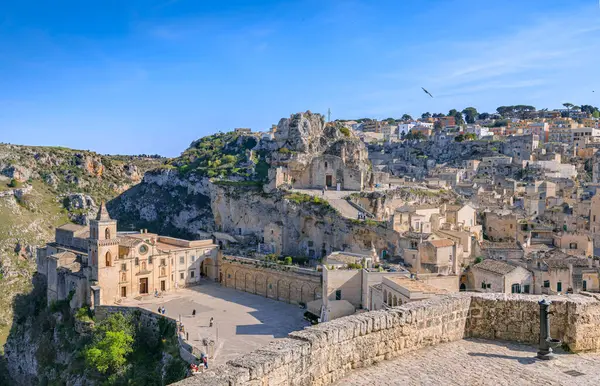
[148, 318]
[323, 354]
[575, 319]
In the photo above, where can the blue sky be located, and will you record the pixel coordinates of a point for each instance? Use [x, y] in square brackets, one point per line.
[151, 76]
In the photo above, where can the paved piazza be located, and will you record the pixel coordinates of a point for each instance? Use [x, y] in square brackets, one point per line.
[479, 362]
[242, 322]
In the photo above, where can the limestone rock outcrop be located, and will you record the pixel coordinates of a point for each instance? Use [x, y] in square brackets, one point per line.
[315, 154]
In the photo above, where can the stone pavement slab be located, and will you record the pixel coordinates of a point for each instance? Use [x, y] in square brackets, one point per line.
[477, 362]
[243, 322]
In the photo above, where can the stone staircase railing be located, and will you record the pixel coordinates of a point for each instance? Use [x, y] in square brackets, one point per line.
[360, 208]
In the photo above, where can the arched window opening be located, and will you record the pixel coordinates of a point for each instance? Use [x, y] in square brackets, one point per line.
[108, 259]
[385, 296]
[107, 234]
[143, 265]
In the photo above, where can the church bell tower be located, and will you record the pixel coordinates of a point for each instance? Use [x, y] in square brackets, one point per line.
[104, 252]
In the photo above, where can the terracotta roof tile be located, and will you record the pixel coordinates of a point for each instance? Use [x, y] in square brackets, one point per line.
[442, 243]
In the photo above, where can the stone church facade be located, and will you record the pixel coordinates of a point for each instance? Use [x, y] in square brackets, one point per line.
[96, 265]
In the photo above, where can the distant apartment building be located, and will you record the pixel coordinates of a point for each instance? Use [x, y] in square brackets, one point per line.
[584, 135]
[404, 128]
[425, 130]
[447, 121]
[560, 134]
[479, 131]
[373, 126]
[541, 129]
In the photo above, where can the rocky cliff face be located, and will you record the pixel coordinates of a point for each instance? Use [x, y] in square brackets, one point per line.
[167, 202]
[67, 170]
[41, 188]
[188, 203]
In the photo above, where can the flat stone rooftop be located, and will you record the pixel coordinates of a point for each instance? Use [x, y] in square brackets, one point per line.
[479, 362]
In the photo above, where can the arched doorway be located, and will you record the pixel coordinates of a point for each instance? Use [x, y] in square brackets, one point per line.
[463, 287]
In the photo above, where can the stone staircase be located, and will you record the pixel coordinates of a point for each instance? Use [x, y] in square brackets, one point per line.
[336, 200]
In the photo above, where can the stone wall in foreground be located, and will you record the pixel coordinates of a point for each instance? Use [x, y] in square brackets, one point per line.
[575, 319]
[325, 353]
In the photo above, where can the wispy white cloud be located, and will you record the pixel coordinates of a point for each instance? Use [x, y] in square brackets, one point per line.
[547, 60]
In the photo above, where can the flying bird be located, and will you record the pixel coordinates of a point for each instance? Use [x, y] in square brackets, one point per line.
[427, 92]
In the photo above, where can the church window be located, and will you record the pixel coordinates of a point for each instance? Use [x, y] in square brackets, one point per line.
[325, 165]
[137, 261]
[143, 249]
[149, 259]
[163, 271]
[123, 267]
[107, 234]
[143, 266]
[193, 258]
[108, 259]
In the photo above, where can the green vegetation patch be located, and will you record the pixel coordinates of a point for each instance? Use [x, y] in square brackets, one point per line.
[222, 155]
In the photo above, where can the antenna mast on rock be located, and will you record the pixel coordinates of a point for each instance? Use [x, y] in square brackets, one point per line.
[328, 115]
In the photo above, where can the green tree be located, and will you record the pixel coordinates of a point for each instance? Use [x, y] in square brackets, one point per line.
[568, 106]
[588, 109]
[426, 115]
[459, 138]
[470, 114]
[596, 114]
[109, 354]
[112, 342]
[458, 117]
[407, 117]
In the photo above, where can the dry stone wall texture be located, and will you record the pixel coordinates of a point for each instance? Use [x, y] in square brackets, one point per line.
[575, 319]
